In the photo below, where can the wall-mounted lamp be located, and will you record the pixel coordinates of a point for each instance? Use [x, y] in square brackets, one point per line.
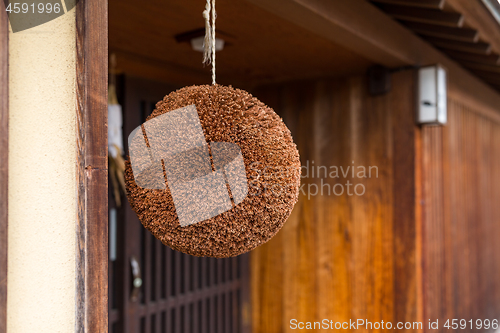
[432, 96]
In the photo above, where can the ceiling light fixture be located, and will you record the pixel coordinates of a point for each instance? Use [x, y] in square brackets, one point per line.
[197, 44]
[197, 37]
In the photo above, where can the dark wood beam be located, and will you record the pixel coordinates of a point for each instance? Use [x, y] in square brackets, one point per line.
[434, 4]
[492, 78]
[492, 81]
[431, 16]
[363, 28]
[91, 299]
[478, 16]
[481, 67]
[431, 30]
[4, 160]
[334, 20]
[491, 59]
[476, 48]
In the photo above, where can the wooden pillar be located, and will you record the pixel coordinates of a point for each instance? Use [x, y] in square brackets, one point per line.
[92, 166]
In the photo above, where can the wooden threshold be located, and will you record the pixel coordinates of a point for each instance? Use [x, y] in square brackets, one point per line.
[4, 160]
[92, 167]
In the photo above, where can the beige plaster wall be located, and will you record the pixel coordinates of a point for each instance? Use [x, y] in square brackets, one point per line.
[42, 210]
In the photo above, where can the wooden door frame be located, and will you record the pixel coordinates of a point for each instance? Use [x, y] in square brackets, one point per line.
[91, 301]
[91, 158]
[4, 155]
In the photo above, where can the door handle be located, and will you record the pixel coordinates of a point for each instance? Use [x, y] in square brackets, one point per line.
[136, 279]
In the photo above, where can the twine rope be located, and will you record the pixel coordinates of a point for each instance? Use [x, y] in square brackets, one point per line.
[209, 42]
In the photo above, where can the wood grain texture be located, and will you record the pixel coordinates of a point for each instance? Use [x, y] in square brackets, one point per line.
[434, 4]
[477, 15]
[474, 48]
[4, 155]
[459, 34]
[343, 257]
[92, 167]
[405, 205]
[363, 28]
[461, 217]
[420, 244]
[343, 37]
[430, 16]
[264, 52]
[478, 41]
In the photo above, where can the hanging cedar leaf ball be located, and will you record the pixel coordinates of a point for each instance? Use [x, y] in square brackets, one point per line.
[213, 171]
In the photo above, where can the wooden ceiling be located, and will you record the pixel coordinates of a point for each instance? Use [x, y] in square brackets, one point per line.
[445, 24]
[261, 46]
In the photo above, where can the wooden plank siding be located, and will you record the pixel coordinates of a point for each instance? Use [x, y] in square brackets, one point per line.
[4, 160]
[461, 217]
[91, 299]
[422, 243]
[344, 257]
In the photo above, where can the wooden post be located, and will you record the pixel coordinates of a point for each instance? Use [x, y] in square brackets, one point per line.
[92, 167]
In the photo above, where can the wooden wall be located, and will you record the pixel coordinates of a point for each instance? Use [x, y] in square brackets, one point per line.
[344, 257]
[422, 242]
[461, 217]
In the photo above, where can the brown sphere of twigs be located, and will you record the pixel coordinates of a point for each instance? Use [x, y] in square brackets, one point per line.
[272, 168]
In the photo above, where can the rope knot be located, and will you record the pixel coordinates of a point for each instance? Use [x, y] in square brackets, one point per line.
[209, 42]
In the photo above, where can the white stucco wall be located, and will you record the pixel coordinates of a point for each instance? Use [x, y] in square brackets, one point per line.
[42, 210]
